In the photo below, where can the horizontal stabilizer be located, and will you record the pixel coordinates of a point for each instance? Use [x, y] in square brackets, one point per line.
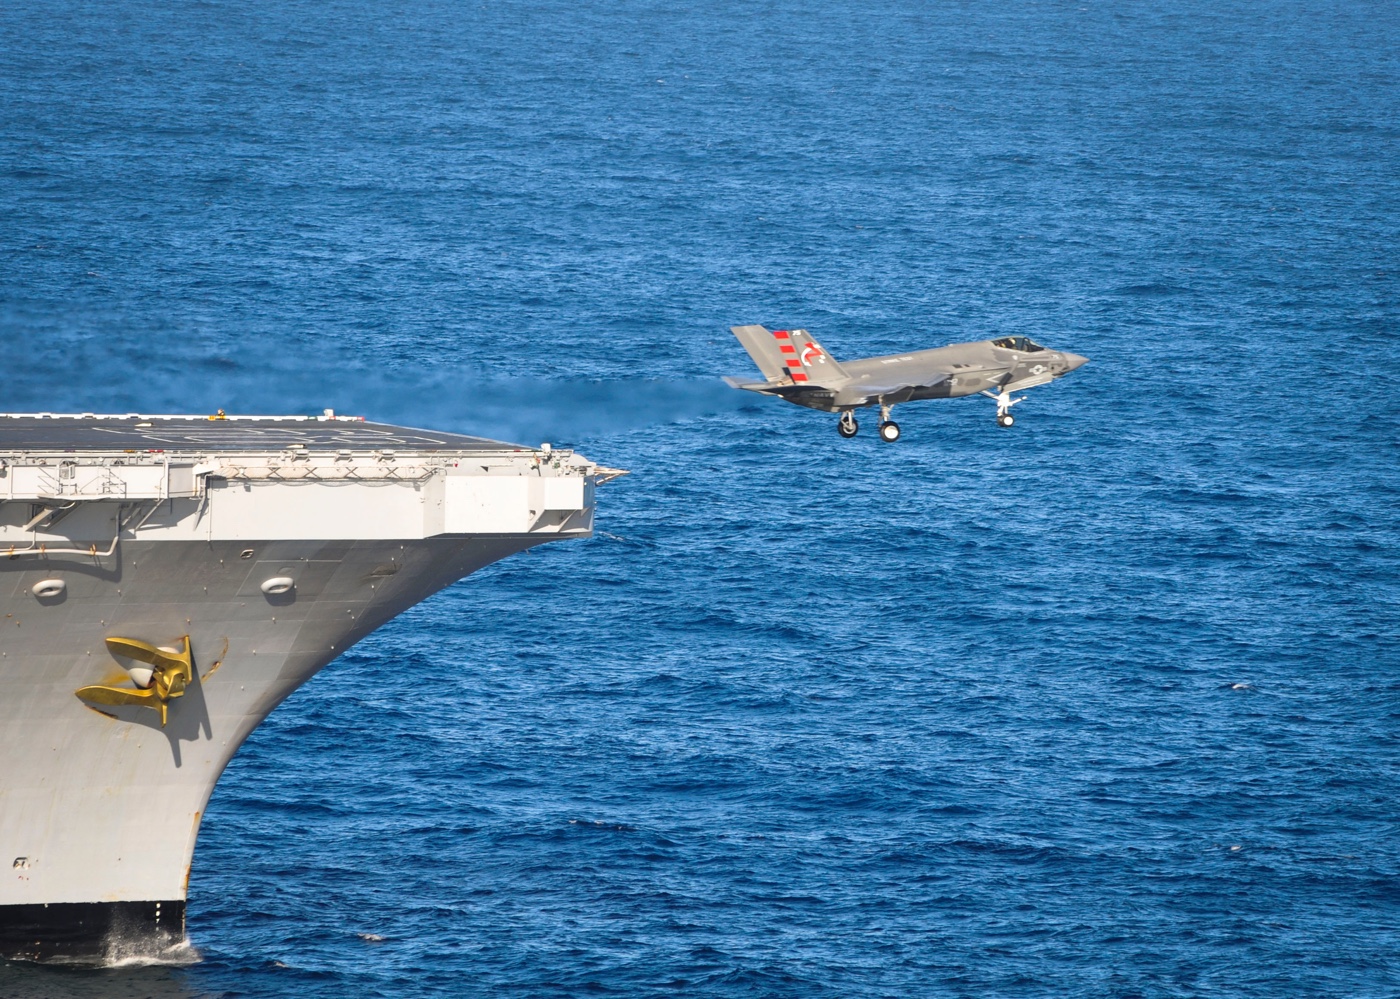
[752, 384]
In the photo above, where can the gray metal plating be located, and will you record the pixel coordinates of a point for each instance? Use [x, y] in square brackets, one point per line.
[272, 560]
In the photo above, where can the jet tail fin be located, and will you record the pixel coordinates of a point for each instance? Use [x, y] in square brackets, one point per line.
[808, 361]
[790, 356]
[763, 349]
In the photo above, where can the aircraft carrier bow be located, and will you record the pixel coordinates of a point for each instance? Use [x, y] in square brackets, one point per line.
[167, 581]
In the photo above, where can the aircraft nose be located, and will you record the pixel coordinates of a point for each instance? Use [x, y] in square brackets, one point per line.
[1073, 361]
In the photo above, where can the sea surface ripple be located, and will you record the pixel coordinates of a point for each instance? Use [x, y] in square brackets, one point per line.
[1102, 705]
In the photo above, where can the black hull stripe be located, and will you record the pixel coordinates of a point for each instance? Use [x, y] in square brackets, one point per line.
[90, 932]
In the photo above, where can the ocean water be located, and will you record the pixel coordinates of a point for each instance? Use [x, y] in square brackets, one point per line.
[1105, 704]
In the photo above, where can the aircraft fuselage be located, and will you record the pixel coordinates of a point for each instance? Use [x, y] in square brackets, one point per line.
[950, 372]
[796, 368]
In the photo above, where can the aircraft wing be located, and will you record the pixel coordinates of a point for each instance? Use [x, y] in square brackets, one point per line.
[891, 389]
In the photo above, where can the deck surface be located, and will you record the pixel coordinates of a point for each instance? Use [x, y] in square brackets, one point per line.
[182, 433]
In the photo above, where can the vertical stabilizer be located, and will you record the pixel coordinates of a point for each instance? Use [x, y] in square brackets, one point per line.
[763, 349]
[790, 356]
[807, 360]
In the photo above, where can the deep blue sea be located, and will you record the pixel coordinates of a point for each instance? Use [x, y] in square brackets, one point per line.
[1103, 705]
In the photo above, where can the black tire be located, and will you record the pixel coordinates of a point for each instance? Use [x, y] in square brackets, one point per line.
[846, 432]
[889, 431]
[1005, 420]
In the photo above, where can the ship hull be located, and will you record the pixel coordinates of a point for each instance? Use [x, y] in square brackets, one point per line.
[165, 583]
[100, 805]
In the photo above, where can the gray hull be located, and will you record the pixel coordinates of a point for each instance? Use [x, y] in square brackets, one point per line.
[100, 804]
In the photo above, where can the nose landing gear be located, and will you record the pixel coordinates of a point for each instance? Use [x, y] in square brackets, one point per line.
[1004, 403]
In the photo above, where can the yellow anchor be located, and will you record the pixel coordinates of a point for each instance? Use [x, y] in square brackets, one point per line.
[170, 674]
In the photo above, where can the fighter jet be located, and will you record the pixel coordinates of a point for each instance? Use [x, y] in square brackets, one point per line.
[798, 369]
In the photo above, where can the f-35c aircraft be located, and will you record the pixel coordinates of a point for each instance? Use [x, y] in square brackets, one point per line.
[797, 369]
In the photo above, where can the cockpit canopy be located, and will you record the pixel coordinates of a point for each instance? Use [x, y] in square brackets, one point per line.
[1022, 343]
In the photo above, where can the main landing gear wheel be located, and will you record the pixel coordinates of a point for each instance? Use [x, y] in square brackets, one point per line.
[889, 431]
[847, 426]
[1005, 419]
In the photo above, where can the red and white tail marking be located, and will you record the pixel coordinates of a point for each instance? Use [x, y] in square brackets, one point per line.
[789, 352]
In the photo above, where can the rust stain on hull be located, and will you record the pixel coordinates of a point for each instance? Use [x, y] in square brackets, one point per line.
[218, 661]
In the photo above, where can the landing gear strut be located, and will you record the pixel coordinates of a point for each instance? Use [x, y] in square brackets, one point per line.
[889, 430]
[1004, 403]
[847, 426]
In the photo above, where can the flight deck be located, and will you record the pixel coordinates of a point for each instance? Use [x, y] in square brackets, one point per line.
[88, 432]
